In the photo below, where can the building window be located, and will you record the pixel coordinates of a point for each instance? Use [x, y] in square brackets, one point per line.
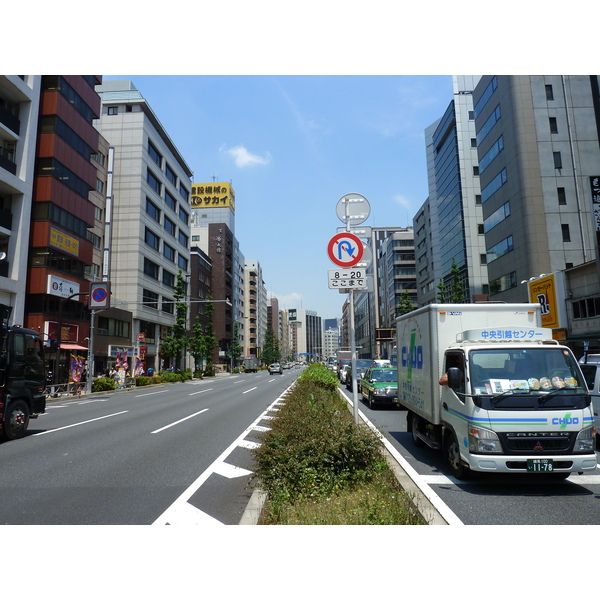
[170, 227]
[170, 175]
[549, 93]
[182, 263]
[499, 249]
[553, 125]
[557, 160]
[477, 198]
[562, 196]
[168, 278]
[170, 201]
[152, 239]
[494, 185]
[475, 170]
[480, 229]
[566, 234]
[99, 185]
[497, 217]
[154, 154]
[491, 154]
[153, 210]
[471, 115]
[483, 259]
[473, 142]
[168, 252]
[151, 269]
[153, 182]
[113, 110]
[150, 299]
[183, 239]
[184, 193]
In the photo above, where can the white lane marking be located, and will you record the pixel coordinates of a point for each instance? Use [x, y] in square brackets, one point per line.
[151, 393]
[186, 514]
[251, 389]
[248, 445]
[231, 471]
[165, 517]
[180, 421]
[200, 392]
[82, 423]
[445, 480]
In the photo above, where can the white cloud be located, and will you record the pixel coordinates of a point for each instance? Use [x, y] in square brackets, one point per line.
[244, 158]
[403, 201]
[293, 300]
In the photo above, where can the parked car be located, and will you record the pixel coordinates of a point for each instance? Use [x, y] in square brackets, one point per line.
[380, 386]
[275, 368]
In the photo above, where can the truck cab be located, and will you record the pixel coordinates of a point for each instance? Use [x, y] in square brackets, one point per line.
[22, 378]
[590, 366]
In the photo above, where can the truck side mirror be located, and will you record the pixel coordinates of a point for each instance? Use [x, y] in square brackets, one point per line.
[454, 378]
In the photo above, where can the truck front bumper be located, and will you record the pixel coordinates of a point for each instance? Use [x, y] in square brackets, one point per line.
[574, 463]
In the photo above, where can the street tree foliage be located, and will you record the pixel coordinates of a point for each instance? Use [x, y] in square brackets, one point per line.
[405, 304]
[271, 352]
[173, 344]
[452, 293]
[235, 349]
[203, 340]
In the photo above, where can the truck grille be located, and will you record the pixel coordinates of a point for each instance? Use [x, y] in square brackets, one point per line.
[538, 443]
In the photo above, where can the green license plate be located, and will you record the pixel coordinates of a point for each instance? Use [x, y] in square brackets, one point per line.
[540, 465]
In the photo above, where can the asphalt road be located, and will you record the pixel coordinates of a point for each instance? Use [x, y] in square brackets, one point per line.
[489, 499]
[168, 454]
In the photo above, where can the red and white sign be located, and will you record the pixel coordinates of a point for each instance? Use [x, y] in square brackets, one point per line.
[345, 249]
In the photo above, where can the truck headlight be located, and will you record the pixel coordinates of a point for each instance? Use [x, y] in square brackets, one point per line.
[483, 441]
[586, 440]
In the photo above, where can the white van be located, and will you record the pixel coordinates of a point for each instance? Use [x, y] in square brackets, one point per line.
[590, 368]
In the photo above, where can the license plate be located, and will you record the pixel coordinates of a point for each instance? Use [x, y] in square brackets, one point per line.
[540, 465]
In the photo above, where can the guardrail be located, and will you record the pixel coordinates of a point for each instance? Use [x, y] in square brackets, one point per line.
[58, 390]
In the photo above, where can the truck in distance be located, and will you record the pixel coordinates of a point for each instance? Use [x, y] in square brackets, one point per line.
[515, 400]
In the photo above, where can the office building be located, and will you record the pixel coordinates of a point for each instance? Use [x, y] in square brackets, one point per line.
[150, 219]
[19, 106]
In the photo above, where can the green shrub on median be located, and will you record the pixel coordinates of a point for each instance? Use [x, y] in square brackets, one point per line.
[318, 467]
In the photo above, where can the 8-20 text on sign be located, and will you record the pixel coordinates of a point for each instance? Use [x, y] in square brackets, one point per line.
[347, 279]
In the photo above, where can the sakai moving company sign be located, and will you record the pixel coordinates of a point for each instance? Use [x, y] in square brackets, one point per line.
[548, 292]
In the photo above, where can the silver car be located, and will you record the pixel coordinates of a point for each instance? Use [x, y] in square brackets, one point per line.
[275, 368]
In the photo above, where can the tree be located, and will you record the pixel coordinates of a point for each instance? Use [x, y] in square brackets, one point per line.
[271, 351]
[173, 344]
[454, 291]
[405, 305]
[235, 350]
[203, 341]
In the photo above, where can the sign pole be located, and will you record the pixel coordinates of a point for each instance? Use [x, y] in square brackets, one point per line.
[352, 340]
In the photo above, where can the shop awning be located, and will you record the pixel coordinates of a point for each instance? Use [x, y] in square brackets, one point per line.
[72, 347]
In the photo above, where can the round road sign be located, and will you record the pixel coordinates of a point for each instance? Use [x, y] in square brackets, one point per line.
[345, 249]
[353, 209]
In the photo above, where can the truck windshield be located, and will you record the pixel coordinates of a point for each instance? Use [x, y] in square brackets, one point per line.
[528, 378]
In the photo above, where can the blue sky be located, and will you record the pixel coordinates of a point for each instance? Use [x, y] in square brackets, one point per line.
[292, 146]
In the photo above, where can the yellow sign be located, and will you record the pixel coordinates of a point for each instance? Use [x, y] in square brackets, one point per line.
[213, 195]
[543, 291]
[64, 242]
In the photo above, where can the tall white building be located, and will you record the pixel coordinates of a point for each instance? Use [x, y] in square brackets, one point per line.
[19, 104]
[150, 221]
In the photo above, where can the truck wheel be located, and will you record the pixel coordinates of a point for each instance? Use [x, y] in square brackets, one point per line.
[16, 420]
[413, 421]
[452, 453]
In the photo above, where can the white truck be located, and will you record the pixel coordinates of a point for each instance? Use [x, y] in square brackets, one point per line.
[515, 399]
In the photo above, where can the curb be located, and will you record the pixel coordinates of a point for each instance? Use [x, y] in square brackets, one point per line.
[254, 508]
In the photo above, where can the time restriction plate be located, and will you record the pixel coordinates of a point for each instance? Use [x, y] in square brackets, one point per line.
[347, 279]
